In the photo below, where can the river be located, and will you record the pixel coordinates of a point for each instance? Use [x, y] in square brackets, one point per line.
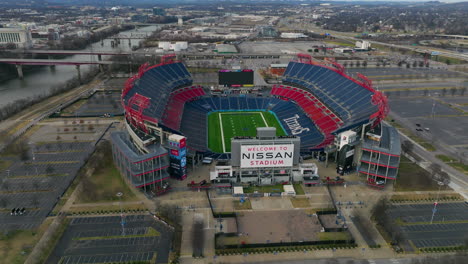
[41, 81]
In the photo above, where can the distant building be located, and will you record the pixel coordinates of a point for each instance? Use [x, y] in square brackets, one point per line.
[269, 32]
[139, 18]
[292, 35]
[225, 48]
[159, 11]
[20, 37]
[363, 45]
[180, 21]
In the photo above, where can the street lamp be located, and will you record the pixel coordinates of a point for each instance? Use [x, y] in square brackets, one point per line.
[122, 218]
[437, 199]
[33, 156]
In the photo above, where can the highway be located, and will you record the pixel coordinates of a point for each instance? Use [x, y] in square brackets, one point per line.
[347, 36]
[53, 62]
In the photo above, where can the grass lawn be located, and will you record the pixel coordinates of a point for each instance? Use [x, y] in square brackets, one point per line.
[340, 43]
[300, 202]
[5, 164]
[454, 163]
[222, 126]
[234, 240]
[334, 236]
[264, 189]
[105, 181]
[246, 205]
[16, 245]
[298, 188]
[411, 177]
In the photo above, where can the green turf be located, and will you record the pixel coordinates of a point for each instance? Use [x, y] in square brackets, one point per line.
[237, 124]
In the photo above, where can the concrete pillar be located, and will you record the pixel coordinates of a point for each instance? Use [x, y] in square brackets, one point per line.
[129, 42]
[51, 58]
[79, 73]
[326, 159]
[19, 68]
[101, 67]
[99, 57]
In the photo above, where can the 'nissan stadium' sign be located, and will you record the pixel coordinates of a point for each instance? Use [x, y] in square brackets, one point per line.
[260, 156]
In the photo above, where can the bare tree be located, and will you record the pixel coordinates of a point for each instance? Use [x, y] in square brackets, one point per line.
[435, 169]
[3, 202]
[453, 90]
[407, 146]
[49, 169]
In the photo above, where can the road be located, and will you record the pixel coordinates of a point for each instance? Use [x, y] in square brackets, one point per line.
[347, 36]
[343, 261]
[20, 123]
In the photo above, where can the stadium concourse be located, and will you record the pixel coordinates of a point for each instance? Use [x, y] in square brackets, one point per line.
[318, 110]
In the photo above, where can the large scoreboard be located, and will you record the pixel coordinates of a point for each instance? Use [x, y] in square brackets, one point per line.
[236, 78]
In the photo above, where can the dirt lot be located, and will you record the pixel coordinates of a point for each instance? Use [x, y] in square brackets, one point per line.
[278, 226]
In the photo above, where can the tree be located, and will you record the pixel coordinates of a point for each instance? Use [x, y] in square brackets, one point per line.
[453, 90]
[443, 177]
[426, 92]
[462, 91]
[435, 169]
[35, 201]
[50, 169]
[444, 91]
[407, 146]
[3, 202]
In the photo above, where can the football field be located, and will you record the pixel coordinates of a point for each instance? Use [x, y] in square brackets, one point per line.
[222, 126]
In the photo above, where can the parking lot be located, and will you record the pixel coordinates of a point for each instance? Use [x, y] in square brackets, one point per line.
[37, 181]
[97, 105]
[100, 240]
[449, 227]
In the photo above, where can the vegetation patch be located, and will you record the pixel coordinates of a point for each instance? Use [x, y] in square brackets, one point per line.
[5, 164]
[264, 189]
[411, 177]
[105, 181]
[300, 202]
[425, 197]
[453, 163]
[15, 246]
[298, 188]
[334, 236]
[246, 205]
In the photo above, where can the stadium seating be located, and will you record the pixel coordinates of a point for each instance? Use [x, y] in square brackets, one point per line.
[320, 114]
[194, 124]
[345, 98]
[173, 113]
[157, 84]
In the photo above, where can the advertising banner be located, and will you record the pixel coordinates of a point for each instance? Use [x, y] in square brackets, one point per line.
[267, 156]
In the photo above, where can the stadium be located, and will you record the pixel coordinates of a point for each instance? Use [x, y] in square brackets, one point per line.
[317, 110]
